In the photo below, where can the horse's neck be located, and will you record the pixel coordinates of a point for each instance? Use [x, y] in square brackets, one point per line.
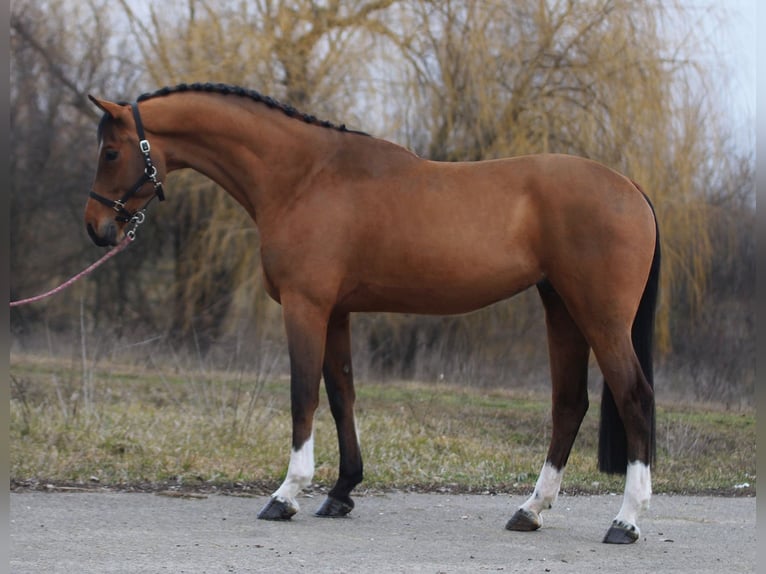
[256, 154]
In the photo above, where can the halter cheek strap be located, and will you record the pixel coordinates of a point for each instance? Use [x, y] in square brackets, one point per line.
[150, 175]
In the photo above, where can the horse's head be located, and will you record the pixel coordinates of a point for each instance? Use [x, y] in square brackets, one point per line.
[128, 175]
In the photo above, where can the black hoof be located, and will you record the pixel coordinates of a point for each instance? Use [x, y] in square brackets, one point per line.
[277, 510]
[334, 508]
[621, 533]
[524, 521]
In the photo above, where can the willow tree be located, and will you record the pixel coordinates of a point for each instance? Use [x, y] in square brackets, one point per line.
[614, 80]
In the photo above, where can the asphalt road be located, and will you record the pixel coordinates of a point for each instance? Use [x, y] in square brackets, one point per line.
[107, 532]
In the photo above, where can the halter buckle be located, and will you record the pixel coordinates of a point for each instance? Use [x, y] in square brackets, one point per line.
[144, 146]
[118, 206]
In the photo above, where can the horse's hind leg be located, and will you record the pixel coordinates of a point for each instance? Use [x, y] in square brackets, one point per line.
[339, 382]
[634, 399]
[569, 353]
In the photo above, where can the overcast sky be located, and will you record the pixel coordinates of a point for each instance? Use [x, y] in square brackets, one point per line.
[737, 44]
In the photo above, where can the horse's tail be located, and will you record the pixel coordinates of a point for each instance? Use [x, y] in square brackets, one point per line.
[612, 448]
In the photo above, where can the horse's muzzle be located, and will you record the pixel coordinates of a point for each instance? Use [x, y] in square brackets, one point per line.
[109, 236]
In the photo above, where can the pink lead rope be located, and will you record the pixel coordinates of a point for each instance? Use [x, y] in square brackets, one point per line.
[129, 237]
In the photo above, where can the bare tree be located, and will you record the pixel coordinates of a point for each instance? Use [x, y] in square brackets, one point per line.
[52, 128]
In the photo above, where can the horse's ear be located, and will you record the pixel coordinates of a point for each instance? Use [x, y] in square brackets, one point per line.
[114, 110]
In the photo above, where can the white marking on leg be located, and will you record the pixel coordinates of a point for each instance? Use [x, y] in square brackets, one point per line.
[546, 489]
[300, 471]
[358, 439]
[638, 492]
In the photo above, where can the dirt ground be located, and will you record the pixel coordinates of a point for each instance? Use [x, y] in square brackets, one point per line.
[401, 532]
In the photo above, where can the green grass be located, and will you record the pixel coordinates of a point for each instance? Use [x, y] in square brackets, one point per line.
[129, 427]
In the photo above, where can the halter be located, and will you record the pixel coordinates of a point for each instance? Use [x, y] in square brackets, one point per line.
[150, 175]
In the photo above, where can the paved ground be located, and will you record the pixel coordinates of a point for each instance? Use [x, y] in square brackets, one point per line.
[135, 533]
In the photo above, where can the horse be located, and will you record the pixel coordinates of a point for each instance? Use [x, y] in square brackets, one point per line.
[353, 223]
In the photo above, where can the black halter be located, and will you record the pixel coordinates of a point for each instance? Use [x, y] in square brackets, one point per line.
[149, 175]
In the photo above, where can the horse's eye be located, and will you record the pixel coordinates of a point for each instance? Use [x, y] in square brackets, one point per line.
[111, 154]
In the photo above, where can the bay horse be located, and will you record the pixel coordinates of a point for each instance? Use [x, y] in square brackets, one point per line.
[352, 223]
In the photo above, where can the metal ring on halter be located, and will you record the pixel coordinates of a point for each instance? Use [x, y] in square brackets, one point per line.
[138, 218]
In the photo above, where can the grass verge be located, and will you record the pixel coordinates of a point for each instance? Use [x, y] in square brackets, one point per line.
[129, 427]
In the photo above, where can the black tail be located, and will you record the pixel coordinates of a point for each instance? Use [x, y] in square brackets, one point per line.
[612, 447]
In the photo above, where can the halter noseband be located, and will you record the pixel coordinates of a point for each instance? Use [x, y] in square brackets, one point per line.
[149, 175]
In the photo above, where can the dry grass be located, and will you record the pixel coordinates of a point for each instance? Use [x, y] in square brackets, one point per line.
[124, 426]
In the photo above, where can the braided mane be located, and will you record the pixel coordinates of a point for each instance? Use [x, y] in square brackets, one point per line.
[226, 89]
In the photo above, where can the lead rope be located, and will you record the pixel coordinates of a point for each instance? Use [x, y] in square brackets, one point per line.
[130, 236]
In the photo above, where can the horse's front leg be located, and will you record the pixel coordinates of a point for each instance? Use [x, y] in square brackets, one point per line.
[306, 326]
[339, 381]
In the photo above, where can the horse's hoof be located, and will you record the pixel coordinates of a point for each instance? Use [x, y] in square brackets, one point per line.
[277, 509]
[621, 533]
[334, 508]
[524, 521]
